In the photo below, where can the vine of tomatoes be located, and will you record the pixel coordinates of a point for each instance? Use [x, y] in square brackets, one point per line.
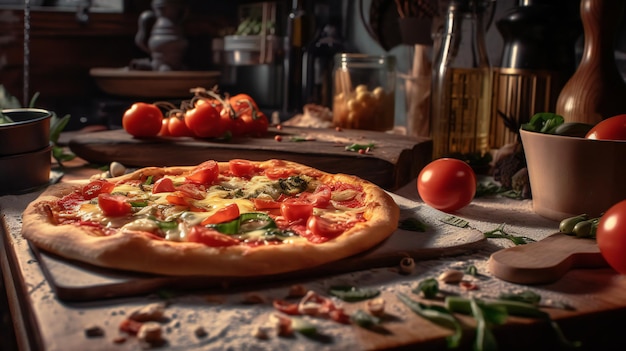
[206, 115]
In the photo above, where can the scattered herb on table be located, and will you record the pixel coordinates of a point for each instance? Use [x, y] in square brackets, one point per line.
[352, 293]
[500, 233]
[527, 296]
[438, 315]
[412, 224]
[455, 221]
[356, 147]
[429, 288]
[364, 319]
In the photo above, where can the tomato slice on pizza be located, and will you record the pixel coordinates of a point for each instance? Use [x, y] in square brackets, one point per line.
[237, 218]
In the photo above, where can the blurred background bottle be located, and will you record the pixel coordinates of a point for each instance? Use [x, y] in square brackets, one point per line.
[462, 83]
[300, 29]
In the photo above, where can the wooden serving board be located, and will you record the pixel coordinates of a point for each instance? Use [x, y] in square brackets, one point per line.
[77, 281]
[545, 261]
[394, 160]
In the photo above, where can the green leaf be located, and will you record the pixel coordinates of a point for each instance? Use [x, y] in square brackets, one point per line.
[356, 147]
[544, 122]
[429, 288]
[353, 294]
[57, 126]
[455, 221]
[437, 315]
[499, 233]
[364, 319]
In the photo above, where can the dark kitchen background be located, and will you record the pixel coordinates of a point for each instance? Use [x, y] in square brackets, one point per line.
[67, 38]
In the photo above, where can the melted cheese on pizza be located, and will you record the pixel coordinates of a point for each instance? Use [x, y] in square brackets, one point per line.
[172, 215]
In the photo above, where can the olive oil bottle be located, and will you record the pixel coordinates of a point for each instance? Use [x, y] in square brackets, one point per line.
[461, 83]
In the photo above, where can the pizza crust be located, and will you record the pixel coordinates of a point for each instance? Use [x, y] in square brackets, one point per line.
[136, 251]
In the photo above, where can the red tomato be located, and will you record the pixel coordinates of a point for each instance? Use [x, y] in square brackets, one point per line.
[205, 173]
[224, 214]
[447, 184]
[613, 128]
[324, 228]
[177, 127]
[295, 210]
[204, 121]
[241, 168]
[210, 237]
[276, 173]
[611, 236]
[262, 204]
[96, 187]
[163, 185]
[165, 125]
[114, 205]
[142, 120]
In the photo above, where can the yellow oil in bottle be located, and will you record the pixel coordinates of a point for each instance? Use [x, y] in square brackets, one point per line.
[461, 112]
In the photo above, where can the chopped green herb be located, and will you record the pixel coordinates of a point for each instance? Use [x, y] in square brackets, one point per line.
[353, 294]
[356, 147]
[471, 270]
[499, 233]
[148, 180]
[299, 139]
[429, 288]
[455, 221]
[524, 296]
[364, 319]
[412, 224]
[303, 327]
[438, 315]
[139, 203]
[488, 189]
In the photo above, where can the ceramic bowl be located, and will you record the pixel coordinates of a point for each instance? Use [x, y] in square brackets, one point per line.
[25, 172]
[29, 131]
[571, 176]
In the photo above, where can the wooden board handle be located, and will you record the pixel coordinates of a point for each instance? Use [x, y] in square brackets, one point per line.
[545, 261]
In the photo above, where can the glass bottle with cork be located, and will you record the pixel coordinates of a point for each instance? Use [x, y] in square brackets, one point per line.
[462, 83]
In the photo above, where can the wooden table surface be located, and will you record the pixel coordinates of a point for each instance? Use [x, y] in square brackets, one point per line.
[44, 322]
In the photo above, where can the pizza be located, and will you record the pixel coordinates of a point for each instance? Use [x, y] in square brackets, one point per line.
[238, 218]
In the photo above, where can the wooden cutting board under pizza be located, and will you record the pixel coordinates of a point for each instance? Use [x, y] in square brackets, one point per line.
[237, 220]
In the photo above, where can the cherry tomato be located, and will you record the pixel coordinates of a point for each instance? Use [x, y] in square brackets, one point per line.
[241, 168]
[324, 228]
[296, 210]
[165, 125]
[205, 173]
[142, 120]
[447, 184]
[114, 205]
[611, 236]
[263, 204]
[163, 185]
[613, 128]
[210, 237]
[204, 121]
[276, 173]
[177, 127]
[224, 214]
[96, 187]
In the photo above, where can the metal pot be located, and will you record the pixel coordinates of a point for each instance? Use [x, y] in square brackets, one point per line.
[29, 131]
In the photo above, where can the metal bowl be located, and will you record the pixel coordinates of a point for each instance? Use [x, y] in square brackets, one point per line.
[25, 172]
[29, 131]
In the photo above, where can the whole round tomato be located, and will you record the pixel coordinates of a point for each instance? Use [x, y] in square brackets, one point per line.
[204, 121]
[447, 184]
[612, 128]
[176, 127]
[611, 236]
[142, 120]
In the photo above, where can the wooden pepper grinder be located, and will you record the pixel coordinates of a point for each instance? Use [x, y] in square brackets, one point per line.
[596, 90]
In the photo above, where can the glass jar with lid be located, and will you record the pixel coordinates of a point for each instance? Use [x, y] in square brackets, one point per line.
[364, 91]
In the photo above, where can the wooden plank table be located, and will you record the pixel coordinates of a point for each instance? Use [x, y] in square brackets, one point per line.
[45, 322]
